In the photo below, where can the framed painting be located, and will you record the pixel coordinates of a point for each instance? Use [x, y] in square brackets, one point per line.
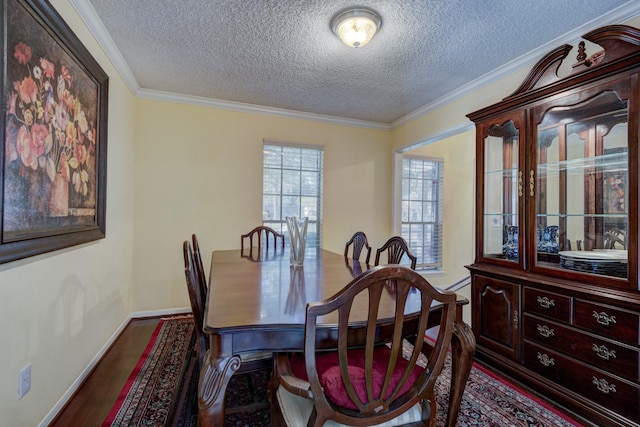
[54, 134]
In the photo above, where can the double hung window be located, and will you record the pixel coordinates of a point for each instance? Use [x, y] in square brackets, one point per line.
[292, 186]
[421, 223]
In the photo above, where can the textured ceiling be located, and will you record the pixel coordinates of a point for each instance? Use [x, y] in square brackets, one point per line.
[283, 54]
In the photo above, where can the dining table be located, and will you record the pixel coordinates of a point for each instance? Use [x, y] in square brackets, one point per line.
[257, 301]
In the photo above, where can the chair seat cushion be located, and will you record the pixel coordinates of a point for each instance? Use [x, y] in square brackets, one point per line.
[328, 367]
[296, 411]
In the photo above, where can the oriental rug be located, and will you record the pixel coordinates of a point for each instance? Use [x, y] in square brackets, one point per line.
[491, 401]
[488, 401]
[148, 397]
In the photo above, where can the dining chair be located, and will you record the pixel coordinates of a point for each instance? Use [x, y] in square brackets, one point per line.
[358, 241]
[396, 248]
[384, 372]
[199, 268]
[259, 232]
[249, 361]
[197, 301]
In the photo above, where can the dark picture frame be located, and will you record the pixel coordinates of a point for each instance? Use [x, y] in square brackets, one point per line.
[53, 161]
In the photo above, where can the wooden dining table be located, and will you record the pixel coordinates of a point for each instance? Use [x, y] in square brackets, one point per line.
[257, 302]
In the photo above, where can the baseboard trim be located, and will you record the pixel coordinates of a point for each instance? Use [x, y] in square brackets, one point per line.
[71, 391]
[159, 313]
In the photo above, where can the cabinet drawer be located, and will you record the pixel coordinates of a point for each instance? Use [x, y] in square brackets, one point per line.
[603, 389]
[547, 304]
[607, 321]
[608, 355]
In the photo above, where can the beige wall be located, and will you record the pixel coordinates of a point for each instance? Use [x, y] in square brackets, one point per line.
[176, 169]
[58, 310]
[199, 170]
[458, 154]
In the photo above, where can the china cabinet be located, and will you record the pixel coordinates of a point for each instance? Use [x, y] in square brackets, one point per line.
[555, 292]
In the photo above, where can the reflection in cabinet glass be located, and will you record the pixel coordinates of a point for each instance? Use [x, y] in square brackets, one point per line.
[555, 277]
[580, 200]
[502, 183]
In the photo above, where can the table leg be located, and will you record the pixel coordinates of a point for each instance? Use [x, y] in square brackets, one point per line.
[212, 387]
[463, 346]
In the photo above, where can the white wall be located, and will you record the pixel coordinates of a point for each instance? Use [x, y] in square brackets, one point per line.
[58, 310]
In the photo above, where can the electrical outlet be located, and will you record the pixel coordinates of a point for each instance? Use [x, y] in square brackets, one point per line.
[24, 381]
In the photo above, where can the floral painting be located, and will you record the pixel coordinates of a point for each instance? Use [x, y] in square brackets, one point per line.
[54, 130]
[614, 190]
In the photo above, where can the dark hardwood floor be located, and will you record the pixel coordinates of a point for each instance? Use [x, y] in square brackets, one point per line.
[95, 397]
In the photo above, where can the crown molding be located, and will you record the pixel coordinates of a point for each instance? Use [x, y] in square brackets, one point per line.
[96, 27]
[619, 15]
[256, 109]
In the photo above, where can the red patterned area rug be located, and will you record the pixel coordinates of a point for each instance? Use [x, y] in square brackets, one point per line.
[243, 390]
[488, 401]
[492, 401]
[148, 397]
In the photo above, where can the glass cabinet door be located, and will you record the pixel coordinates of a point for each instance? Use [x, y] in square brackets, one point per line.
[502, 189]
[581, 215]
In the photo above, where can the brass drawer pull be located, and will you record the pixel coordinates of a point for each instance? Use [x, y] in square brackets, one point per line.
[603, 352]
[545, 331]
[546, 360]
[602, 385]
[604, 319]
[546, 302]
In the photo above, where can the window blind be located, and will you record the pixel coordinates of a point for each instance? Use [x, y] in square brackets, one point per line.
[292, 186]
[421, 224]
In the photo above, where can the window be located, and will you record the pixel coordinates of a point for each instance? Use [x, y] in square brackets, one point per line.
[292, 186]
[421, 224]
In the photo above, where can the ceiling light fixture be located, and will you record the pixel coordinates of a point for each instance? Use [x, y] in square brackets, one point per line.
[356, 27]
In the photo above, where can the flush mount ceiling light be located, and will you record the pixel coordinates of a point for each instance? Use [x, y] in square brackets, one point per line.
[356, 27]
